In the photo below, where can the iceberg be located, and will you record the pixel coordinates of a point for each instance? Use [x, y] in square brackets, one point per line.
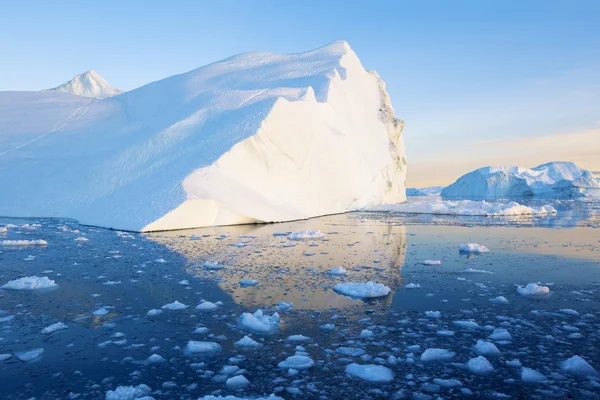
[554, 179]
[258, 137]
[362, 290]
[30, 283]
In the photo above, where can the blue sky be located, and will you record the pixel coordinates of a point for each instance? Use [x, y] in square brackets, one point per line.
[477, 82]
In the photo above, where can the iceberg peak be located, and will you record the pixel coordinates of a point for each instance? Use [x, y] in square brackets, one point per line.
[88, 84]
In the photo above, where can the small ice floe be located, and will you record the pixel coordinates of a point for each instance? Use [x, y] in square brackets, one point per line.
[431, 262]
[437, 355]
[485, 348]
[282, 305]
[129, 393]
[306, 235]
[569, 311]
[259, 322]
[59, 326]
[201, 330]
[480, 365]
[476, 271]
[472, 248]
[174, 306]
[338, 271]
[499, 300]
[201, 348]
[297, 362]
[500, 334]
[467, 324]
[513, 363]
[298, 339]
[327, 327]
[4, 357]
[29, 355]
[206, 306]
[532, 376]
[362, 290]
[247, 343]
[30, 283]
[447, 383]
[154, 312]
[366, 334]
[533, 290]
[237, 382]
[444, 332]
[184, 282]
[111, 283]
[7, 318]
[213, 265]
[248, 282]
[578, 365]
[370, 372]
[155, 359]
[160, 260]
[29, 258]
[433, 314]
[412, 286]
[18, 243]
[101, 312]
[81, 239]
[350, 351]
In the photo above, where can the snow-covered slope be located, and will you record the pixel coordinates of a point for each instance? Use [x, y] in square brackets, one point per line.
[257, 137]
[554, 179]
[89, 84]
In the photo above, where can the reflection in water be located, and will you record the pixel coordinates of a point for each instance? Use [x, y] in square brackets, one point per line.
[294, 271]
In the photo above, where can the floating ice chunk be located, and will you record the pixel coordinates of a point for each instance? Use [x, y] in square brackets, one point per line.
[154, 312]
[128, 393]
[111, 283]
[569, 311]
[500, 334]
[499, 300]
[533, 289]
[412, 286]
[531, 375]
[297, 362]
[578, 365]
[480, 365]
[29, 355]
[30, 283]
[433, 314]
[338, 271]
[437, 355]
[29, 258]
[298, 339]
[247, 343]
[513, 363]
[155, 358]
[282, 305]
[350, 351]
[362, 290]
[366, 334]
[206, 306]
[486, 348]
[4, 357]
[447, 383]
[431, 262]
[7, 318]
[437, 206]
[213, 265]
[174, 306]
[16, 243]
[248, 282]
[370, 372]
[306, 235]
[101, 312]
[327, 327]
[472, 248]
[184, 282]
[476, 271]
[211, 397]
[201, 348]
[201, 330]
[445, 332]
[160, 260]
[237, 382]
[467, 324]
[81, 239]
[259, 322]
[59, 326]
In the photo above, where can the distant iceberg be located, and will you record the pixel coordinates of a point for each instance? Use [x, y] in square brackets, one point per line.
[427, 191]
[554, 179]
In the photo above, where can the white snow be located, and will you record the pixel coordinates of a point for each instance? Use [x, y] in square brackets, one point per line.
[338, 271]
[480, 365]
[437, 355]
[305, 235]
[30, 283]
[89, 84]
[578, 365]
[174, 306]
[16, 243]
[554, 179]
[472, 248]
[29, 355]
[201, 348]
[128, 392]
[532, 376]
[298, 362]
[259, 322]
[362, 290]
[247, 343]
[431, 262]
[59, 326]
[533, 289]
[370, 372]
[258, 137]
[439, 206]
[485, 348]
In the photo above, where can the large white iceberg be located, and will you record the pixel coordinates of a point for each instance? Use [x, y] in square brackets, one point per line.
[257, 137]
[554, 179]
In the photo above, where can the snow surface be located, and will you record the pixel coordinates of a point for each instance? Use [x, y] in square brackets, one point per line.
[258, 137]
[89, 84]
[439, 206]
[554, 179]
[30, 283]
[370, 372]
[362, 290]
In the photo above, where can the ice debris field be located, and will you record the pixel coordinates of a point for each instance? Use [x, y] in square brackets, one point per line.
[348, 306]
